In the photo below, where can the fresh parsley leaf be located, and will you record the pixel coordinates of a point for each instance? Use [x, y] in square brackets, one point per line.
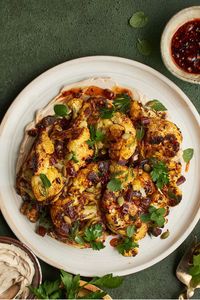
[140, 133]
[126, 245]
[138, 20]
[196, 260]
[93, 232]
[156, 105]
[114, 185]
[188, 154]
[74, 229]
[71, 284]
[99, 136]
[94, 295]
[122, 103]
[106, 113]
[46, 290]
[130, 230]
[144, 47]
[159, 173]
[61, 110]
[45, 181]
[107, 281]
[155, 215]
[97, 245]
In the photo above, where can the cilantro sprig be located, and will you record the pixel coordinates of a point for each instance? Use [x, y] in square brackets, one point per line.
[155, 215]
[121, 103]
[159, 173]
[127, 243]
[69, 287]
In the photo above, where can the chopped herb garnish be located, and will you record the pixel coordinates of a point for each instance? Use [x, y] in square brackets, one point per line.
[126, 244]
[159, 173]
[156, 105]
[61, 110]
[106, 113]
[144, 47]
[79, 240]
[45, 220]
[122, 103]
[155, 215]
[91, 234]
[95, 136]
[114, 185]
[140, 133]
[188, 154]
[45, 181]
[68, 286]
[130, 230]
[138, 20]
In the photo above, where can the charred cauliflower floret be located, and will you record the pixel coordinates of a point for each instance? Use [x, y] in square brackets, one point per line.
[123, 206]
[162, 139]
[122, 138]
[43, 192]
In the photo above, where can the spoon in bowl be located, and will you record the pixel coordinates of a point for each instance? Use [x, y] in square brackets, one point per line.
[11, 292]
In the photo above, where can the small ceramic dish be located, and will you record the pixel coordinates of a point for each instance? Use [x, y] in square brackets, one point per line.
[37, 279]
[182, 17]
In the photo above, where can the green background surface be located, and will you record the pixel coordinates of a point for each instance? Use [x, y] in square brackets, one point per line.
[37, 35]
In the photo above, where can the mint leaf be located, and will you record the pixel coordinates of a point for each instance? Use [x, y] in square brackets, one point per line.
[107, 281]
[61, 110]
[138, 20]
[45, 181]
[156, 105]
[144, 47]
[114, 185]
[188, 154]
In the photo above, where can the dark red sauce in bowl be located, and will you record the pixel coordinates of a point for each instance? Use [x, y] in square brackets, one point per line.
[185, 46]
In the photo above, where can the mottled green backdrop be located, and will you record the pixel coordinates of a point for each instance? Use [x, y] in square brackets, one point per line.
[37, 35]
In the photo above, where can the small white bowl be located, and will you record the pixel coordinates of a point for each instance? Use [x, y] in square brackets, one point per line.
[182, 17]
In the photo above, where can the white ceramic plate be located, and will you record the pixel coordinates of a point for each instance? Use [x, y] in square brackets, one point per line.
[37, 94]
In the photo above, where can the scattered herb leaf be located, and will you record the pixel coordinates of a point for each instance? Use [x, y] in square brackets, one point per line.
[122, 103]
[91, 234]
[95, 136]
[159, 173]
[188, 154]
[144, 47]
[155, 215]
[107, 281]
[130, 230]
[127, 244]
[45, 181]
[106, 113]
[138, 20]
[140, 133]
[61, 110]
[114, 185]
[74, 158]
[156, 105]
[194, 270]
